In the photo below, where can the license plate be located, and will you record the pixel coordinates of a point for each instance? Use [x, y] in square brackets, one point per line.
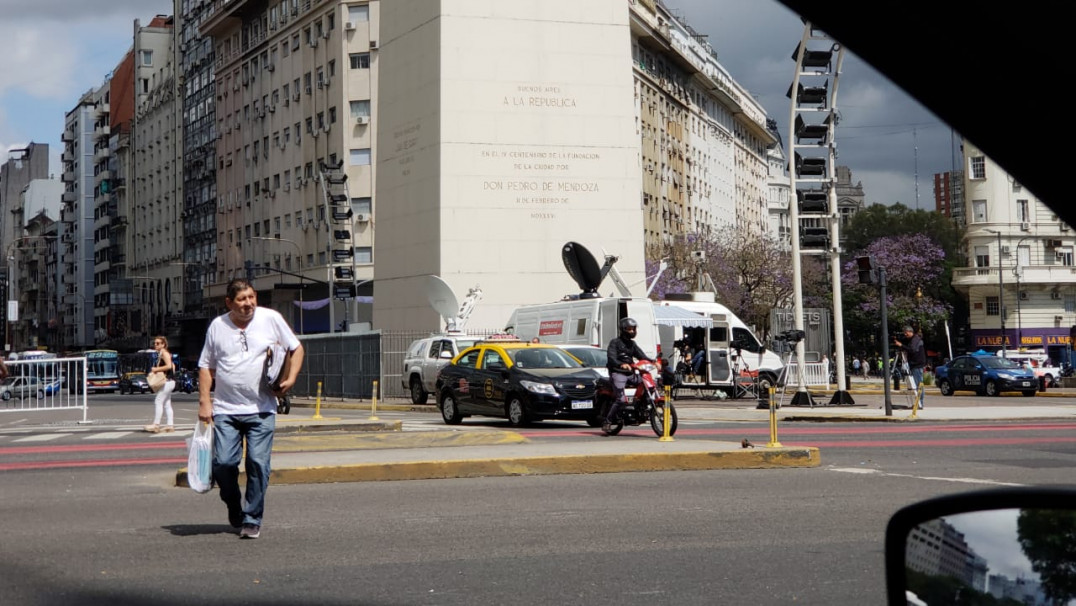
[1026, 384]
[581, 404]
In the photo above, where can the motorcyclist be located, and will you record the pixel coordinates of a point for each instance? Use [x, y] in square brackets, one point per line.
[623, 351]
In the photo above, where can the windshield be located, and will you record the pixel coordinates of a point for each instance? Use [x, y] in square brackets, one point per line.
[999, 363]
[544, 357]
[593, 357]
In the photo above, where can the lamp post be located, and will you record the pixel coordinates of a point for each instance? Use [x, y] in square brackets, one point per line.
[1001, 293]
[299, 258]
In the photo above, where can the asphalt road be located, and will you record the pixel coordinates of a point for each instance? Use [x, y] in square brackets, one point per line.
[124, 535]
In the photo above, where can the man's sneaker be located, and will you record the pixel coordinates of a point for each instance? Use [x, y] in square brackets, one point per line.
[250, 531]
[607, 427]
[235, 516]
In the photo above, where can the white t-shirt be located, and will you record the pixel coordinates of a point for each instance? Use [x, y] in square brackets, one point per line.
[239, 388]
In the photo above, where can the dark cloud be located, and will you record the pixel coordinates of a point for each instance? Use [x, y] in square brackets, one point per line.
[884, 136]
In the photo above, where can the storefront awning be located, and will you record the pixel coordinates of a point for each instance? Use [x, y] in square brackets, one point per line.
[670, 315]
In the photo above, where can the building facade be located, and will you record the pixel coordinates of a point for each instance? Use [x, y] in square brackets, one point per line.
[1020, 281]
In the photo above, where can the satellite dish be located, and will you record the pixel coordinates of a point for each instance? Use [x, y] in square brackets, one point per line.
[443, 300]
[583, 268]
[445, 303]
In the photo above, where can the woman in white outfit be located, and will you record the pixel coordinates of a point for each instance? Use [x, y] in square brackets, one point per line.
[163, 402]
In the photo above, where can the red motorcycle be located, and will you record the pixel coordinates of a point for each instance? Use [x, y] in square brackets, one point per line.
[648, 403]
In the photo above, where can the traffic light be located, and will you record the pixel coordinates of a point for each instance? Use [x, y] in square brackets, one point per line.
[867, 273]
[812, 201]
[343, 291]
[814, 237]
[344, 273]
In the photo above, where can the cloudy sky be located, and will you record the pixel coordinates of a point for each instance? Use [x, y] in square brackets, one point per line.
[56, 50]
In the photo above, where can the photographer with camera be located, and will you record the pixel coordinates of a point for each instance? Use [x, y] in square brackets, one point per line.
[911, 344]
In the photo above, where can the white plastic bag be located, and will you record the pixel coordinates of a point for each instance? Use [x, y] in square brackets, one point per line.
[200, 458]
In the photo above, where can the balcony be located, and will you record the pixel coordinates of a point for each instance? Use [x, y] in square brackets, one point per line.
[101, 110]
[69, 197]
[102, 132]
[68, 157]
[101, 176]
[102, 154]
[69, 177]
[68, 136]
[224, 14]
[966, 277]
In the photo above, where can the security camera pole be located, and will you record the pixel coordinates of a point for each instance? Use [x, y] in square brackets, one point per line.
[871, 273]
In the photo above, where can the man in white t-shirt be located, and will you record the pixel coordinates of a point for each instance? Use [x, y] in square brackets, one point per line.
[242, 406]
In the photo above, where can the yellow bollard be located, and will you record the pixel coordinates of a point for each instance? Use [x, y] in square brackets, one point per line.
[373, 405]
[773, 443]
[666, 419]
[915, 401]
[317, 403]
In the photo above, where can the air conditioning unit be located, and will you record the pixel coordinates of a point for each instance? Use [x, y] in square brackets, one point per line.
[270, 66]
[308, 89]
[272, 194]
[362, 217]
[373, 45]
[349, 26]
[313, 42]
[1055, 295]
[325, 34]
[295, 96]
[1005, 250]
[1059, 318]
[1023, 295]
[272, 108]
[305, 226]
[362, 119]
[1025, 226]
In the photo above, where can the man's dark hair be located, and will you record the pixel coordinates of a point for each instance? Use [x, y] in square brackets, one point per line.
[236, 286]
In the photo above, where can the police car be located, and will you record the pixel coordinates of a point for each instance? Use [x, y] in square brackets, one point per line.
[985, 375]
[519, 381]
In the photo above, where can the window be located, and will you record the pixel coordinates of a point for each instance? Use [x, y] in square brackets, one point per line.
[978, 211]
[1070, 303]
[1023, 214]
[364, 254]
[991, 306]
[982, 256]
[355, 14]
[360, 157]
[360, 108]
[977, 166]
[147, 58]
[469, 359]
[361, 205]
[1023, 255]
[359, 60]
[1064, 255]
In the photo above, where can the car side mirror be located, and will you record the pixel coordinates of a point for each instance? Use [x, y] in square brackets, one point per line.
[445, 354]
[955, 549]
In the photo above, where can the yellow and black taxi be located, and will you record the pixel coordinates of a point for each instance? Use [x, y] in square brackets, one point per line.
[523, 382]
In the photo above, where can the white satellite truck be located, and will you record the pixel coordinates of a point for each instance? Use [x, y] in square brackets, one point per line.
[426, 357]
[587, 318]
[731, 348]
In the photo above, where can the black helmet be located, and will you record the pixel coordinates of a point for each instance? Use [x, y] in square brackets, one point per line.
[628, 324]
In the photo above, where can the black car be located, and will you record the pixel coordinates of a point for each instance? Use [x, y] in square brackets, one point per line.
[134, 382]
[985, 375]
[522, 382]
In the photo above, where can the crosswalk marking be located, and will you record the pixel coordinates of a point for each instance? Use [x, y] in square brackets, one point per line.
[107, 435]
[44, 437]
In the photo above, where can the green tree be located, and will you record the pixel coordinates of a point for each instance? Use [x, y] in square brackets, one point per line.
[1048, 539]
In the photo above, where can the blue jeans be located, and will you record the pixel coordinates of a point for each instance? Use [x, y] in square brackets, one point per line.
[917, 374]
[229, 432]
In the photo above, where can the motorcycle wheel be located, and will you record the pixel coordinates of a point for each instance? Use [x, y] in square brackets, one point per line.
[657, 419]
[614, 428]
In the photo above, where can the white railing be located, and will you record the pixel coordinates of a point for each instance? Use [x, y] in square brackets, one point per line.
[44, 384]
[815, 374]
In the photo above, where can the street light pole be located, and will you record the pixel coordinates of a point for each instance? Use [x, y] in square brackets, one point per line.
[299, 258]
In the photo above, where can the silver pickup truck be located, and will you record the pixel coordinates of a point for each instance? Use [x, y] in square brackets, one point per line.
[426, 357]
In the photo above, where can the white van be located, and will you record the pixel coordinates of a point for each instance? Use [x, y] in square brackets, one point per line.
[1037, 362]
[586, 322]
[730, 343]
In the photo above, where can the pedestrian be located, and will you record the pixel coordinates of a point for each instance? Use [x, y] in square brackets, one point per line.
[914, 351]
[162, 403]
[242, 407]
[855, 366]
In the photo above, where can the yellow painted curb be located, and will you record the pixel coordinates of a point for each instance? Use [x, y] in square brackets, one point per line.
[410, 439]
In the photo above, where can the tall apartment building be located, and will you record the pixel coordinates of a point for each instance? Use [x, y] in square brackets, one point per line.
[780, 189]
[704, 139]
[949, 195]
[295, 82]
[20, 168]
[198, 93]
[1020, 281]
[86, 130]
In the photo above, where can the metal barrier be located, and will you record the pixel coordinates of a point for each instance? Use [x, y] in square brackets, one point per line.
[815, 374]
[45, 384]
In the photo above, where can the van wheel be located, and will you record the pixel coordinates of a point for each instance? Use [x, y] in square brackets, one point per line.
[516, 412]
[418, 394]
[765, 382]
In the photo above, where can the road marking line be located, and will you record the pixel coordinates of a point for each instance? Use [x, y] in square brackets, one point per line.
[879, 472]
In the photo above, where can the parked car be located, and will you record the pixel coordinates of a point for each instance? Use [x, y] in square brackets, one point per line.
[426, 356]
[590, 356]
[985, 375]
[520, 381]
[132, 382]
[25, 387]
